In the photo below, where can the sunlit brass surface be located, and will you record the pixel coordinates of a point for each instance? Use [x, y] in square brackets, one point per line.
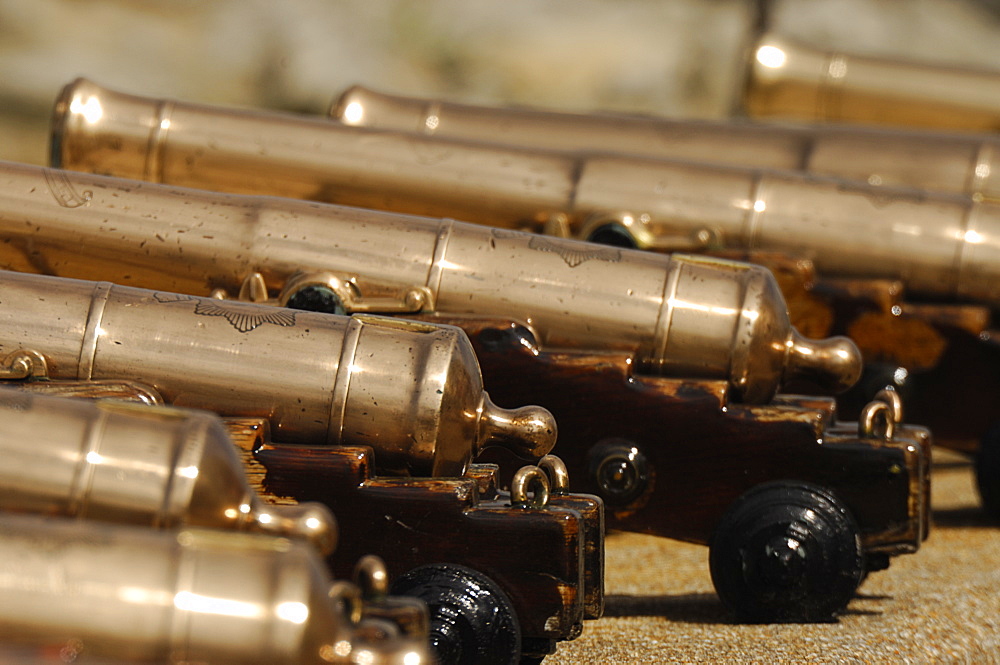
[792, 80]
[132, 464]
[939, 245]
[684, 316]
[411, 391]
[945, 162]
[191, 596]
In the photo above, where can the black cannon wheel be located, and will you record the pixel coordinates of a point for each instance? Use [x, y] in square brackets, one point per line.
[472, 620]
[786, 552]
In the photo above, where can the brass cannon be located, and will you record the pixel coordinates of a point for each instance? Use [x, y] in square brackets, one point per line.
[941, 161]
[939, 245]
[619, 341]
[913, 335]
[412, 391]
[135, 464]
[792, 80]
[189, 595]
[681, 315]
[383, 415]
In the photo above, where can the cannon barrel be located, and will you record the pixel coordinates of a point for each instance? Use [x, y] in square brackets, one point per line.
[680, 315]
[145, 465]
[939, 245]
[792, 80]
[195, 595]
[958, 163]
[412, 391]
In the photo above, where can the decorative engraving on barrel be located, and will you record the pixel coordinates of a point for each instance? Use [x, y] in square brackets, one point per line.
[243, 317]
[573, 256]
[63, 191]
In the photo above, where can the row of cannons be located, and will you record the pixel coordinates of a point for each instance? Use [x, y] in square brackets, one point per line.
[390, 384]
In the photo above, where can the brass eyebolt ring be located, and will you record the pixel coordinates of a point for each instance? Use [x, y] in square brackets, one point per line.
[371, 577]
[529, 478]
[895, 402]
[555, 468]
[874, 413]
[349, 595]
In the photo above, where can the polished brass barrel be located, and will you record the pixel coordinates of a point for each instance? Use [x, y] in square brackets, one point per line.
[190, 596]
[412, 391]
[146, 465]
[681, 315]
[792, 80]
[959, 163]
[938, 245]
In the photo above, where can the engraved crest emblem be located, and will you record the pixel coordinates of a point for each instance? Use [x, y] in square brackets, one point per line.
[63, 191]
[570, 253]
[243, 317]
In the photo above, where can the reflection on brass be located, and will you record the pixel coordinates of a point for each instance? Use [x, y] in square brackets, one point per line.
[193, 596]
[681, 316]
[789, 79]
[939, 245]
[132, 464]
[946, 162]
[412, 391]
[132, 391]
[64, 193]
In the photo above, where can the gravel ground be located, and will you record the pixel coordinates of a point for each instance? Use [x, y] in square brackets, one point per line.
[938, 606]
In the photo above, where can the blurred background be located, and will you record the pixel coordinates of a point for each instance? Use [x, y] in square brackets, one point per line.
[679, 58]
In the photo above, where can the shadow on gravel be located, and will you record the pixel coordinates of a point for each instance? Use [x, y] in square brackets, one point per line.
[962, 517]
[690, 607]
[703, 608]
[861, 613]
